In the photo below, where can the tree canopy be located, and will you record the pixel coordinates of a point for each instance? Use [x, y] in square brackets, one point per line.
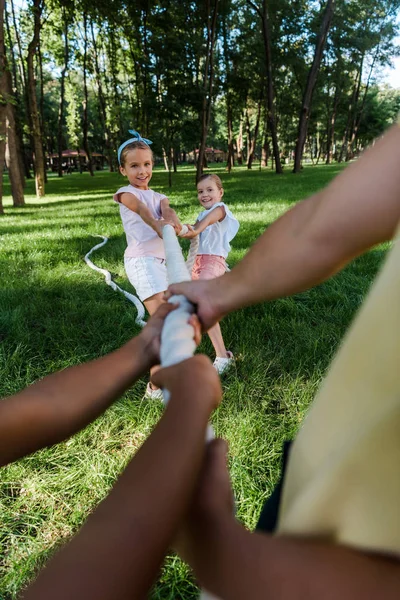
[257, 79]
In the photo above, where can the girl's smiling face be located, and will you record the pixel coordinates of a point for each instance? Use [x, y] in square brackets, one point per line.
[138, 168]
[209, 193]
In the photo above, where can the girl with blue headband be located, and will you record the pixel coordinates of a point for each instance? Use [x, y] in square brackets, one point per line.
[144, 213]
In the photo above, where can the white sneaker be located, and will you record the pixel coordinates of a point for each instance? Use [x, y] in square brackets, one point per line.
[222, 364]
[153, 394]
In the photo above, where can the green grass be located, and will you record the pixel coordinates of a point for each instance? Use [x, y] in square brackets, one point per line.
[56, 312]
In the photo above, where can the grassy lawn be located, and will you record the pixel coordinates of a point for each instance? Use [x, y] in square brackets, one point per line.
[56, 312]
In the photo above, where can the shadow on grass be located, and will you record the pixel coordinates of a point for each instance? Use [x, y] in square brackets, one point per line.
[240, 186]
[75, 320]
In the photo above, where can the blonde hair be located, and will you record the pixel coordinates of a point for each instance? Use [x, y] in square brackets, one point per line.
[213, 177]
[135, 146]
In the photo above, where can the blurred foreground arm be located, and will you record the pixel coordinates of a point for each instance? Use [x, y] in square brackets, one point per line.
[234, 564]
[313, 240]
[61, 404]
[119, 550]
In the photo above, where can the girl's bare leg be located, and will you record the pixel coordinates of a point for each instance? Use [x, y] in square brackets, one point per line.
[217, 340]
[151, 305]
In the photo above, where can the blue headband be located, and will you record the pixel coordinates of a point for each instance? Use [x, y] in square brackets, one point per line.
[137, 138]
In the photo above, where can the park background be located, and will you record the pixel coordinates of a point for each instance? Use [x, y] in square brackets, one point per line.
[281, 96]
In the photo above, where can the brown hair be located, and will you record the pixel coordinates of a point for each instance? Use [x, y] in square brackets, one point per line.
[214, 178]
[134, 146]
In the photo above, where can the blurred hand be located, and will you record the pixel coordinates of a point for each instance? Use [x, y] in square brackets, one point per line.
[201, 294]
[190, 379]
[151, 334]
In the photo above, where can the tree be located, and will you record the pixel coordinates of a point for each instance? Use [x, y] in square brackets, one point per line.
[32, 100]
[12, 158]
[208, 81]
[3, 103]
[102, 103]
[85, 98]
[263, 13]
[311, 81]
[13, 87]
[65, 22]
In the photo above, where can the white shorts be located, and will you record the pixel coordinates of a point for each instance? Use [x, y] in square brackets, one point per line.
[147, 274]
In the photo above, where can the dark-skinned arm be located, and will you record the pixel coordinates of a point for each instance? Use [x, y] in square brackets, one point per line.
[118, 552]
[61, 404]
[234, 564]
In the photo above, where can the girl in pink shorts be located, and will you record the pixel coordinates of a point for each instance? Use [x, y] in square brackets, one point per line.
[216, 227]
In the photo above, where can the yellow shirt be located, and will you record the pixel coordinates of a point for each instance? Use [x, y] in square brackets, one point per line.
[343, 476]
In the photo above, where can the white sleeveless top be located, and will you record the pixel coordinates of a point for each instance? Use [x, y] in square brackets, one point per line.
[142, 240]
[216, 238]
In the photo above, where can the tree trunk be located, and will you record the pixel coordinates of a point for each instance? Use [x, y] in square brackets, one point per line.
[85, 99]
[248, 133]
[310, 85]
[252, 150]
[264, 16]
[79, 160]
[2, 148]
[102, 105]
[264, 152]
[62, 94]
[174, 154]
[13, 89]
[331, 126]
[33, 107]
[231, 152]
[3, 104]
[359, 113]
[15, 168]
[41, 110]
[239, 143]
[21, 63]
[343, 150]
[114, 79]
[165, 159]
[229, 112]
[207, 84]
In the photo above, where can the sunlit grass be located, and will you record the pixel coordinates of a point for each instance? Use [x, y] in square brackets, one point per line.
[56, 312]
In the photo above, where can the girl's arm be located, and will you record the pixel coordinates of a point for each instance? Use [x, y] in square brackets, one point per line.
[133, 203]
[313, 240]
[118, 552]
[61, 404]
[215, 215]
[170, 215]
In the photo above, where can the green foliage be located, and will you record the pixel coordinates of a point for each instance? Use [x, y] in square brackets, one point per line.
[56, 312]
[150, 68]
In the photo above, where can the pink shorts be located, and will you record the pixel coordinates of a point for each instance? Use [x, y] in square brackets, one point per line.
[208, 266]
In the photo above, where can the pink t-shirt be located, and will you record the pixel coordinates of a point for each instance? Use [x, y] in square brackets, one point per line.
[142, 240]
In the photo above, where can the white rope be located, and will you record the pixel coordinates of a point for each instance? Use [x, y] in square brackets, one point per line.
[177, 342]
[107, 276]
[194, 245]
